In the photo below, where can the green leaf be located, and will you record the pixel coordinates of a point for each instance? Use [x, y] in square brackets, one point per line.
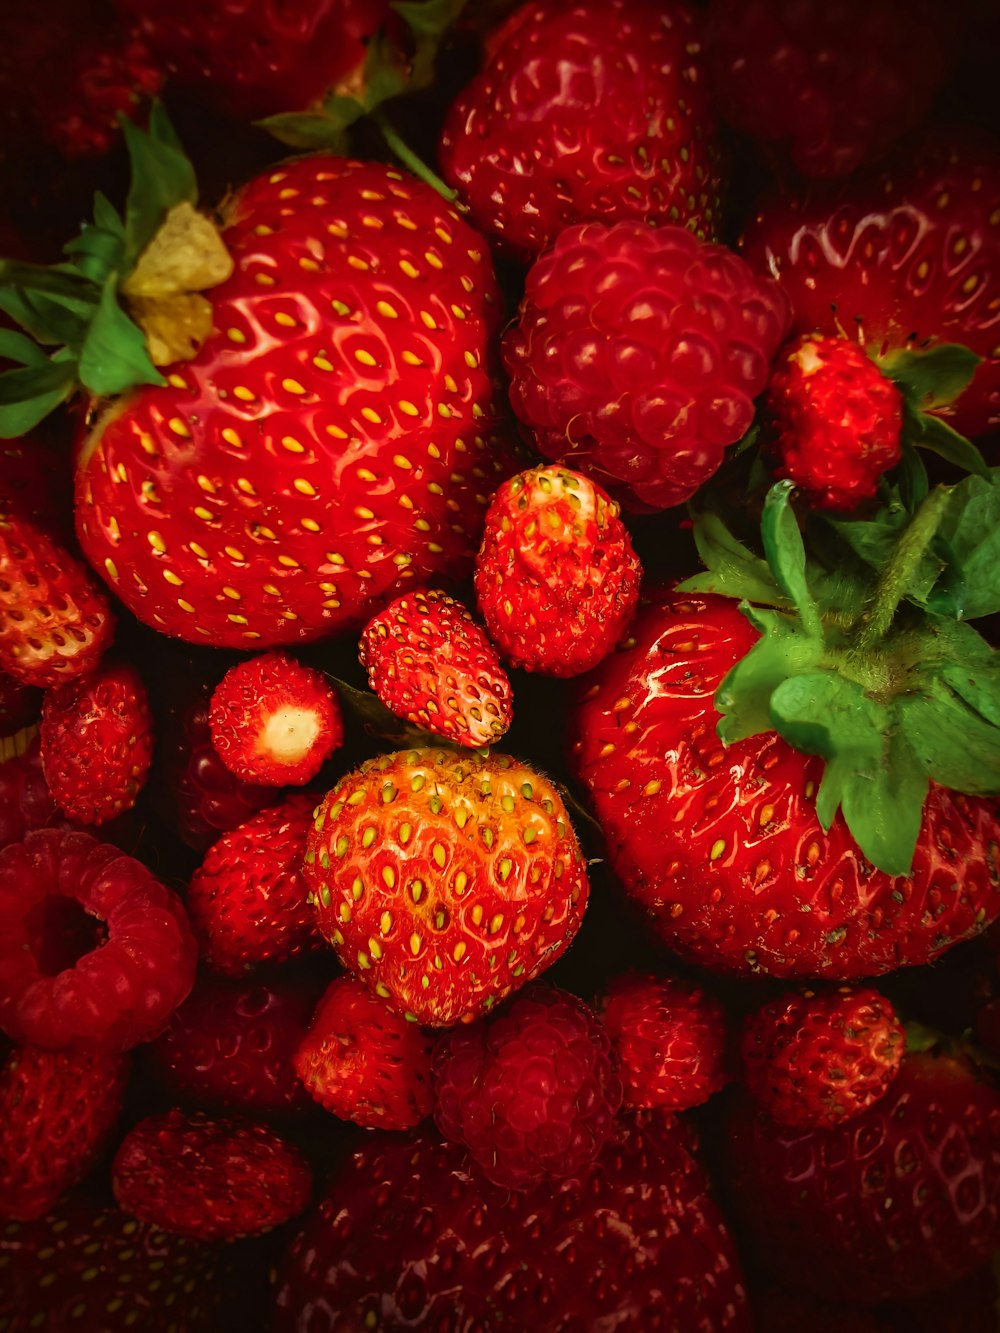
[49, 320]
[747, 441]
[732, 568]
[956, 746]
[933, 378]
[29, 395]
[941, 439]
[114, 356]
[162, 177]
[374, 718]
[786, 554]
[57, 280]
[911, 478]
[315, 129]
[16, 347]
[744, 694]
[971, 529]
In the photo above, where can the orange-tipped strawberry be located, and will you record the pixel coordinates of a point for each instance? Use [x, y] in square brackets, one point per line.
[430, 663]
[275, 722]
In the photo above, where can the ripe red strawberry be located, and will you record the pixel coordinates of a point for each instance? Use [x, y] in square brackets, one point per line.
[55, 622]
[446, 880]
[232, 1044]
[248, 900]
[814, 1060]
[556, 577]
[721, 844]
[275, 722]
[364, 1061]
[899, 258]
[592, 111]
[837, 421]
[532, 1093]
[903, 1199]
[637, 356]
[125, 973]
[408, 1232]
[209, 1179]
[25, 800]
[835, 84]
[57, 1110]
[97, 743]
[431, 664]
[670, 1038]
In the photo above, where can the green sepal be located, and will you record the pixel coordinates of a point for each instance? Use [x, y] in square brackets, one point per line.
[934, 378]
[161, 178]
[911, 479]
[114, 355]
[743, 697]
[51, 322]
[29, 394]
[939, 438]
[732, 569]
[786, 554]
[955, 745]
[428, 21]
[371, 714]
[969, 666]
[315, 129]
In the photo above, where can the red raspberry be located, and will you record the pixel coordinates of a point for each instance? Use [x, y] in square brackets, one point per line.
[837, 420]
[557, 578]
[815, 1060]
[532, 1093]
[209, 1179]
[671, 1040]
[136, 967]
[57, 1108]
[638, 353]
[364, 1061]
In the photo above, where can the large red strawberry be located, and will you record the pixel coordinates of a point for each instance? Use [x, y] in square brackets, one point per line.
[588, 111]
[410, 1236]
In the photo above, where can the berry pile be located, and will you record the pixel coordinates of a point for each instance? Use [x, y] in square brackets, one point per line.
[499, 705]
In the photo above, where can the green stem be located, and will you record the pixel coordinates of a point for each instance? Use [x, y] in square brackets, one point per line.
[409, 158]
[878, 615]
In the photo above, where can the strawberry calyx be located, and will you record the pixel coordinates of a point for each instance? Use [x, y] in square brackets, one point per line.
[126, 300]
[930, 381]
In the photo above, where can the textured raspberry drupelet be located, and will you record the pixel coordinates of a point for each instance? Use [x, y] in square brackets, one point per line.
[364, 1061]
[837, 420]
[209, 1179]
[593, 110]
[819, 1059]
[638, 353]
[97, 743]
[671, 1041]
[533, 1093]
[274, 721]
[556, 576]
[247, 900]
[430, 663]
[57, 1108]
[133, 966]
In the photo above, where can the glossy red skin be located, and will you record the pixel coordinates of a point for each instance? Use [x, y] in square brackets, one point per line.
[834, 85]
[637, 356]
[556, 576]
[246, 699]
[25, 800]
[124, 989]
[445, 879]
[432, 665]
[411, 1234]
[670, 1037]
[586, 111]
[248, 899]
[904, 1199]
[816, 1060]
[256, 58]
[55, 622]
[852, 260]
[307, 515]
[232, 1044]
[56, 1112]
[97, 743]
[363, 1061]
[724, 851]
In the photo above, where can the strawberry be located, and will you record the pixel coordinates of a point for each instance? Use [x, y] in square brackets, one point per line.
[899, 259]
[837, 421]
[274, 722]
[56, 1112]
[817, 1060]
[556, 576]
[209, 1179]
[55, 622]
[446, 881]
[363, 1061]
[835, 84]
[248, 899]
[97, 743]
[408, 1234]
[431, 664]
[594, 111]
[902, 1200]
[670, 1038]
[637, 355]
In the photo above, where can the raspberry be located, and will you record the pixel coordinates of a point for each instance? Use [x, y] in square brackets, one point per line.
[638, 353]
[533, 1093]
[136, 967]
